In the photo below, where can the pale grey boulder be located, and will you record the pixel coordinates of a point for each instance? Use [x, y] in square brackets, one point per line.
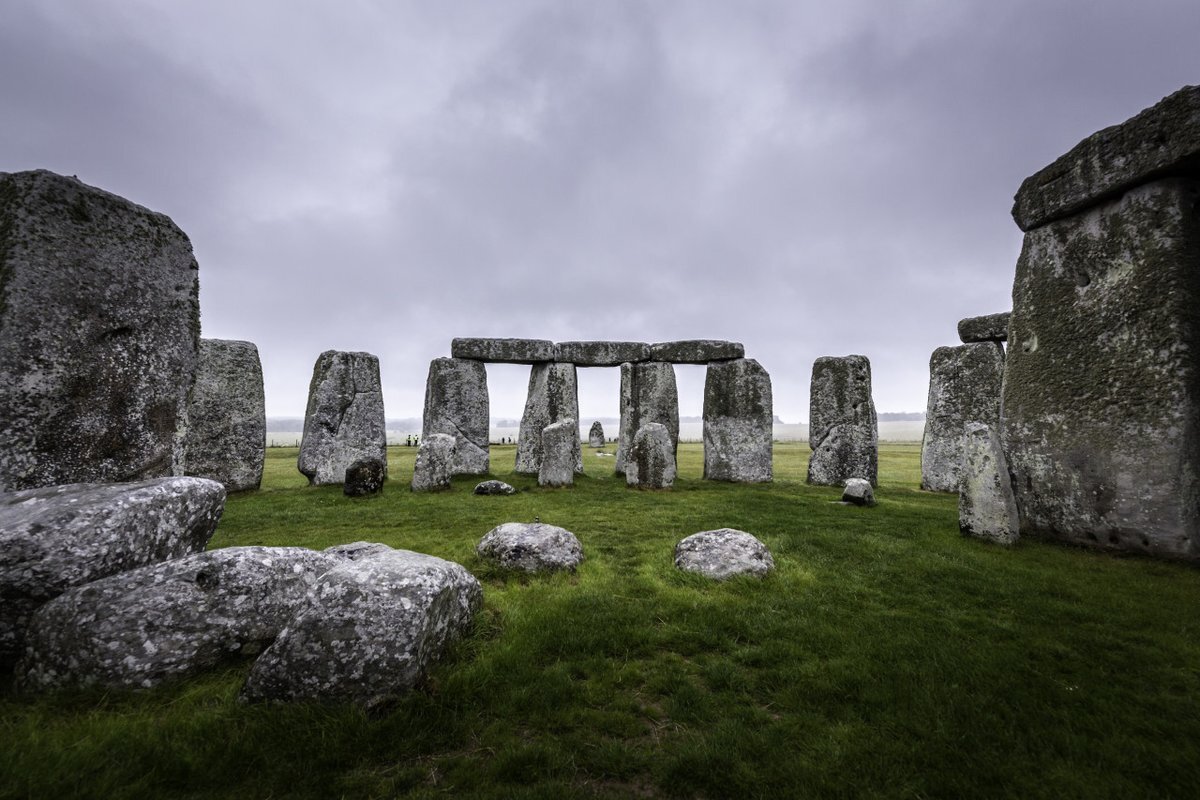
[722, 554]
[456, 403]
[651, 463]
[560, 450]
[696, 351]
[99, 332]
[531, 547]
[494, 487]
[987, 508]
[504, 351]
[553, 396]
[858, 492]
[140, 628]
[227, 419]
[964, 387]
[368, 631]
[843, 431]
[648, 394]
[596, 435]
[344, 421]
[601, 354]
[738, 422]
[989, 328]
[435, 463]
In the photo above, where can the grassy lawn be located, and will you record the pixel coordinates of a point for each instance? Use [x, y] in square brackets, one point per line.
[886, 657]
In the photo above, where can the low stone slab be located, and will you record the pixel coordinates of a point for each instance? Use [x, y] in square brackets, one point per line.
[344, 421]
[560, 447]
[146, 626]
[531, 547]
[858, 491]
[504, 351]
[986, 506]
[843, 431]
[494, 487]
[364, 478]
[988, 328]
[722, 554]
[227, 419]
[596, 435]
[368, 631]
[601, 354]
[435, 463]
[651, 462]
[1163, 140]
[696, 351]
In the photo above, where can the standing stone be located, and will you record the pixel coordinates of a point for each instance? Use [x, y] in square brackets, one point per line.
[738, 420]
[986, 507]
[456, 403]
[842, 428]
[227, 417]
[364, 478]
[648, 394]
[560, 449]
[964, 387]
[596, 435]
[99, 331]
[435, 460]
[651, 463]
[990, 328]
[344, 422]
[553, 397]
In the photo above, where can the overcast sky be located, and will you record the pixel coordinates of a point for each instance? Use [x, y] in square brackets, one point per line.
[808, 178]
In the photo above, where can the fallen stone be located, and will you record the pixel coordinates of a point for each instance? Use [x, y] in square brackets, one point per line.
[504, 351]
[842, 431]
[435, 460]
[596, 435]
[858, 491]
[738, 422]
[964, 387]
[456, 403]
[344, 422]
[990, 328]
[1161, 141]
[100, 313]
[696, 351]
[368, 631]
[140, 628]
[651, 463]
[560, 449]
[601, 354]
[553, 396]
[227, 419]
[494, 487]
[364, 478]
[531, 547]
[648, 394]
[986, 505]
[722, 554]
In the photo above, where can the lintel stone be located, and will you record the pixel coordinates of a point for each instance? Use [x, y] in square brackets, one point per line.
[504, 351]
[696, 351]
[989, 328]
[601, 354]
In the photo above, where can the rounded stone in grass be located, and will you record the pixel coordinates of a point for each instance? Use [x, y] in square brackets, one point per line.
[858, 492]
[723, 553]
[494, 487]
[531, 547]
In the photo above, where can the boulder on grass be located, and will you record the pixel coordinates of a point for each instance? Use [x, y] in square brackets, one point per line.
[722, 554]
[560, 448]
[858, 491]
[494, 487]
[364, 478]
[531, 547]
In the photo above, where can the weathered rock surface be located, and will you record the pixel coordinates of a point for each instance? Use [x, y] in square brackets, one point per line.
[364, 478]
[1101, 399]
[696, 351]
[601, 354]
[648, 394]
[986, 506]
[553, 396]
[1161, 141]
[227, 418]
[368, 631]
[964, 387]
[531, 547]
[494, 487]
[435, 461]
[344, 421]
[504, 351]
[858, 491]
[842, 431]
[560, 453]
[651, 463]
[738, 422]
[989, 328]
[722, 554]
[456, 403]
[596, 435]
[142, 627]
[99, 330]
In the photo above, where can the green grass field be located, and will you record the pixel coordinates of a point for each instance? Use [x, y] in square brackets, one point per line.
[887, 656]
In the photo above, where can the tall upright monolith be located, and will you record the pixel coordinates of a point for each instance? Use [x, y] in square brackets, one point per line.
[456, 403]
[648, 394]
[344, 422]
[553, 396]
[227, 417]
[842, 430]
[738, 422]
[964, 387]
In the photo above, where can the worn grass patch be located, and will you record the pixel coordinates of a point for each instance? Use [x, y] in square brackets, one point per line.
[886, 656]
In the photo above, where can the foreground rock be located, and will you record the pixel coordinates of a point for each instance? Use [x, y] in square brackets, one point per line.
[435, 463]
[651, 463]
[560, 446]
[368, 631]
[696, 351]
[531, 547]
[986, 506]
[553, 397]
[601, 354]
[964, 387]
[648, 394]
[858, 491]
[843, 432]
[738, 422]
[456, 403]
[596, 435]
[344, 422]
[146, 626]
[493, 487]
[722, 554]
[990, 328]
[100, 313]
[227, 419]
[364, 478]
[504, 351]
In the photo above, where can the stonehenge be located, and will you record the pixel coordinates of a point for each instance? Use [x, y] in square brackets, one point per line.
[843, 431]
[344, 422]
[227, 418]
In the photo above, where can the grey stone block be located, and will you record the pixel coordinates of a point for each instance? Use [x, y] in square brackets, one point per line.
[648, 394]
[842, 429]
[964, 387]
[553, 396]
[504, 351]
[696, 351]
[456, 403]
[601, 354]
[227, 417]
[738, 422]
[344, 422]
[988, 328]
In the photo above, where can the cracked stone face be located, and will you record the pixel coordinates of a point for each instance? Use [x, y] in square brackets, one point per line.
[553, 396]
[738, 422]
[986, 507]
[964, 387]
[344, 422]
[843, 432]
[648, 394]
[227, 418]
[456, 404]
[560, 449]
[435, 460]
